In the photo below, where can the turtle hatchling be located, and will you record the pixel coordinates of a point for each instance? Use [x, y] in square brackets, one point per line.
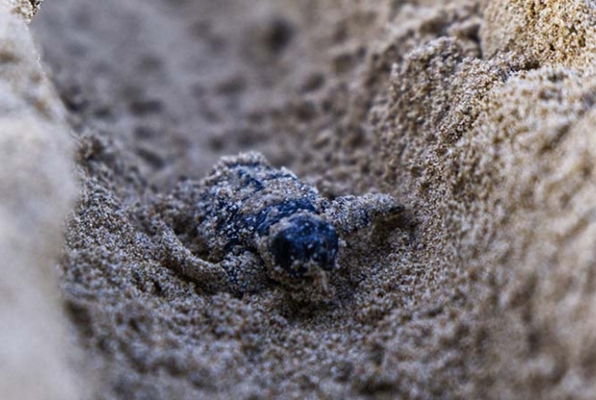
[248, 225]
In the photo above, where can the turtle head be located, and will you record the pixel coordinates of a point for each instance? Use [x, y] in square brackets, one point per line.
[301, 246]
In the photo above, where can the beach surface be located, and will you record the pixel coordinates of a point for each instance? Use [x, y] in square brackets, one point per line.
[477, 116]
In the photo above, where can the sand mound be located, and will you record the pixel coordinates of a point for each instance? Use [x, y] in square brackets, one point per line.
[36, 191]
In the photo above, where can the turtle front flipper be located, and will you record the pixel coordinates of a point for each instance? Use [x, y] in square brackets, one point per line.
[351, 213]
[210, 277]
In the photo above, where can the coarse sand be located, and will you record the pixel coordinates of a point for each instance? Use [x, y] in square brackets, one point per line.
[478, 116]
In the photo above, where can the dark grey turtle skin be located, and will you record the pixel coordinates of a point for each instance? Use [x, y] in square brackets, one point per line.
[261, 224]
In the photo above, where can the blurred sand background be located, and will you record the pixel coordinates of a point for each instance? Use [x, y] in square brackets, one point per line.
[477, 115]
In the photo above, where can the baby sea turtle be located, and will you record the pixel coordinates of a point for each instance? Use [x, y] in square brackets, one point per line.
[249, 224]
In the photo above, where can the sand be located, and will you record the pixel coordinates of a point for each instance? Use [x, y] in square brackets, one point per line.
[476, 115]
[37, 190]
